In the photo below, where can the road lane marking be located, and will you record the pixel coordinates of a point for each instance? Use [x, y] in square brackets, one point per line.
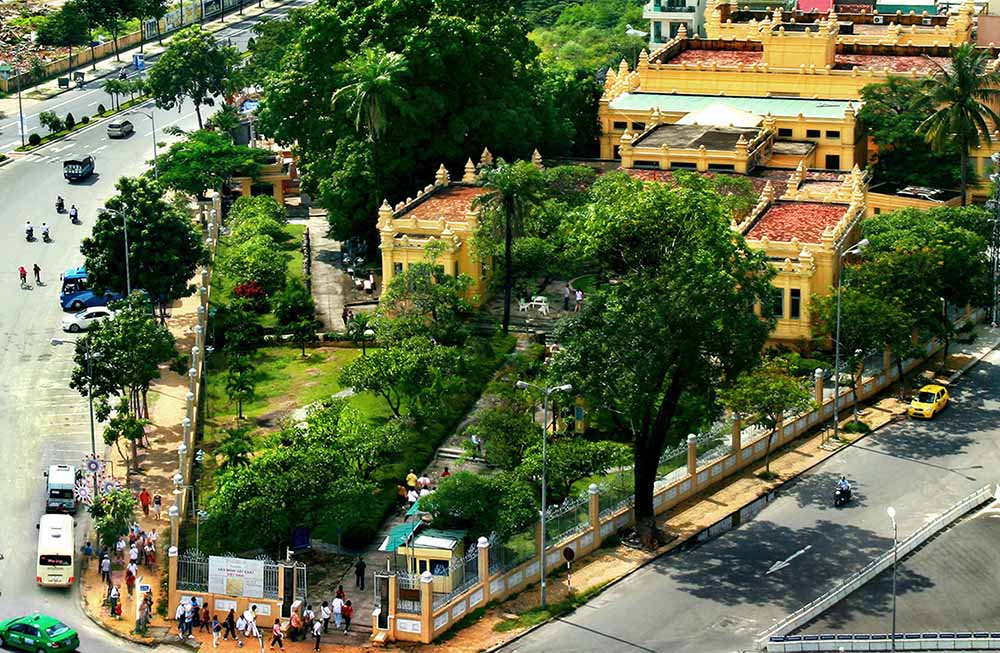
[788, 561]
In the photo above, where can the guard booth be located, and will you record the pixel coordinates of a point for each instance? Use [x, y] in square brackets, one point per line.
[434, 550]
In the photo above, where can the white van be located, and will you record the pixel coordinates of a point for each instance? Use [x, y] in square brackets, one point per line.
[56, 550]
[59, 495]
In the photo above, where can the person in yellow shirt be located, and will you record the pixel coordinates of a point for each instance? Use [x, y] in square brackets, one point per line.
[411, 480]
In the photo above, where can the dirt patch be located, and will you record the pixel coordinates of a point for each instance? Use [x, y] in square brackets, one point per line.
[273, 420]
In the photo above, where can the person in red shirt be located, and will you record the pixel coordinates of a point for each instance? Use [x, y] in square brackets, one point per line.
[346, 613]
[144, 500]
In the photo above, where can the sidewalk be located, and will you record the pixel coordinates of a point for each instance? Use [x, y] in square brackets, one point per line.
[33, 96]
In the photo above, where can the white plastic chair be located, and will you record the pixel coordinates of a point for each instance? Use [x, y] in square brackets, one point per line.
[522, 305]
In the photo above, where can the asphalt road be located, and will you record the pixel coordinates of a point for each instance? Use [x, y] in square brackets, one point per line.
[45, 422]
[719, 596]
[948, 585]
[84, 101]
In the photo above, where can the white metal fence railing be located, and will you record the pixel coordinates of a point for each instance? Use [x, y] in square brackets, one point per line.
[819, 605]
[464, 573]
[572, 517]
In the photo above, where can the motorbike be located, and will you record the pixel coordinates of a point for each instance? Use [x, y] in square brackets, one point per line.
[60, 205]
[29, 234]
[45, 237]
[73, 216]
[841, 496]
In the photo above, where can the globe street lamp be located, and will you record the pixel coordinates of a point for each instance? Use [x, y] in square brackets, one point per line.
[895, 546]
[857, 249]
[566, 387]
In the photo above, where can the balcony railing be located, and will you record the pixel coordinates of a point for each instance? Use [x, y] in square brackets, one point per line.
[669, 7]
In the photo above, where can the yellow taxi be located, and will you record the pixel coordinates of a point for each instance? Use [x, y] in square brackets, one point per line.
[929, 401]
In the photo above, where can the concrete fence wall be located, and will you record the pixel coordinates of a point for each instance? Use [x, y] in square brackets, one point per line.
[432, 622]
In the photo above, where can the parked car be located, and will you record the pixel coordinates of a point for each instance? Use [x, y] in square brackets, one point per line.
[38, 632]
[84, 319]
[78, 169]
[87, 299]
[929, 401]
[120, 129]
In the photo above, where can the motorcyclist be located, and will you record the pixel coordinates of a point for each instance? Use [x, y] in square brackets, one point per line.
[843, 484]
[45, 231]
[60, 203]
[73, 212]
[29, 231]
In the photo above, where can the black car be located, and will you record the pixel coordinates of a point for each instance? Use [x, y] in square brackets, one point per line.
[78, 169]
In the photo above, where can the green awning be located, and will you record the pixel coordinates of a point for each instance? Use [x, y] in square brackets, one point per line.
[415, 509]
[398, 536]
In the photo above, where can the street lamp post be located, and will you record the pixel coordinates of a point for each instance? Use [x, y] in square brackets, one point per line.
[836, 340]
[90, 398]
[566, 387]
[5, 72]
[128, 273]
[895, 546]
[152, 119]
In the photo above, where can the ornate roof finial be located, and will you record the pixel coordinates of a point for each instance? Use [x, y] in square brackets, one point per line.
[469, 177]
[536, 159]
[441, 177]
[486, 159]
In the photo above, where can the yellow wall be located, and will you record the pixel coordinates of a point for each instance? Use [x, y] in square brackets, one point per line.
[879, 203]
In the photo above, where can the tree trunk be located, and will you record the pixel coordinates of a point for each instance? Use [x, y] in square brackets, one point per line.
[239, 409]
[508, 263]
[145, 403]
[114, 38]
[142, 34]
[767, 452]
[902, 383]
[197, 110]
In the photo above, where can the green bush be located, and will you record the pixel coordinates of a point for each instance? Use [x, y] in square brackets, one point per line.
[85, 119]
[100, 109]
[34, 140]
[856, 427]
[70, 121]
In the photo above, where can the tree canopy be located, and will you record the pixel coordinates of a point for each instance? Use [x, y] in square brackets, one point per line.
[164, 247]
[204, 160]
[196, 66]
[675, 325]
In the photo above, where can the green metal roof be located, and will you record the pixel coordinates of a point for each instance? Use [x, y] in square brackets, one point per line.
[776, 106]
[398, 536]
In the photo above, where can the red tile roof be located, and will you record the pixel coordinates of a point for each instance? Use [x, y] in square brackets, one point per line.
[893, 64]
[804, 221]
[720, 57]
[451, 203]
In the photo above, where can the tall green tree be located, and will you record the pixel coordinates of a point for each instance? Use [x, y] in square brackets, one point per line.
[241, 384]
[676, 324]
[68, 27]
[113, 513]
[150, 10]
[963, 93]
[892, 113]
[124, 355]
[236, 449]
[204, 160]
[195, 66]
[765, 395]
[112, 14]
[513, 189]
[372, 85]
[164, 247]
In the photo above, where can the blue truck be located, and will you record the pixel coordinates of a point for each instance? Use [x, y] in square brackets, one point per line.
[76, 295]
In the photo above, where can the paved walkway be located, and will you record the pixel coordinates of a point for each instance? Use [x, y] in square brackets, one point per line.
[330, 284]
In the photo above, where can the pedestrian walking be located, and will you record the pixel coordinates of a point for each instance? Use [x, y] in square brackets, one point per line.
[106, 569]
[189, 615]
[206, 619]
[401, 495]
[338, 612]
[276, 637]
[326, 613]
[294, 626]
[23, 274]
[411, 480]
[157, 508]
[344, 315]
[144, 500]
[250, 617]
[38, 273]
[229, 625]
[133, 553]
[579, 301]
[216, 631]
[412, 497]
[445, 473]
[424, 481]
[113, 599]
[130, 573]
[340, 594]
[359, 573]
[348, 613]
[317, 633]
[179, 618]
[566, 294]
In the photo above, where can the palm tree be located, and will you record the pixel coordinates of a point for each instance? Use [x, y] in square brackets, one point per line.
[357, 327]
[240, 385]
[371, 84]
[235, 449]
[962, 92]
[512, 190]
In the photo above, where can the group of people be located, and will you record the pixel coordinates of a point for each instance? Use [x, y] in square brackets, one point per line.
[190, 615]
[576, 295]
[416, 487]
[147, 501]
[23, 274]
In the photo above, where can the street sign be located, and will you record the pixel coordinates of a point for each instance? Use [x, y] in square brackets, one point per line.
[139, 61]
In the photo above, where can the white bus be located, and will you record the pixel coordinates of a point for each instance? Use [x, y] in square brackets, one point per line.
[55, 551]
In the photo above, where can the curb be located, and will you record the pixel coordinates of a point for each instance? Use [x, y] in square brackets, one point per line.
[677, 543]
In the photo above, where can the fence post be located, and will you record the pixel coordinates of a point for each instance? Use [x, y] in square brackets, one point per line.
[692, 455]
[390, 621]
[818, 387]
[736, 435]
[172, 599]
[426, 607]
[594, 511]
[484, 567]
